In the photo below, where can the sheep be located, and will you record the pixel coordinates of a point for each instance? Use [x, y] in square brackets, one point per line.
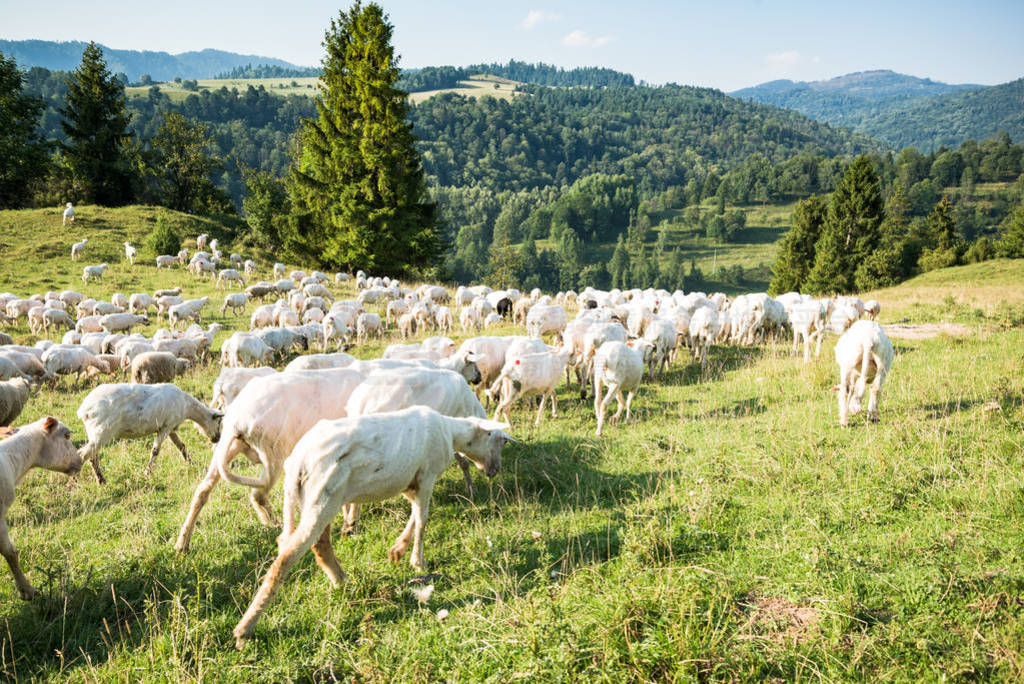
[88, 324]
[9, 369]
[118, 322]
[78, 248]
[165, 261]
[395, 308]
[703, 330]
[45, 443]
[368, 458]
[317, 290]
[313, 315]
[93, 273]
[71, 298]
[864, 355]
[809, 322]
[281, 340]
[596, 335]
[235, 259]
[54, 317]
[189, 309]
[872, 308]
[202, 267]
[469, 318]
[264, 422]
[214, 244]
[25, 360]
[128, 349]
[340, 278]
[621, 368]
[14, 394]
[260, 291]
[182, 257]
[201, 240]
[105, 308]
[231, 381]
[661, 333]
[531, 374]
[249, 268]
[284, 285]
[187, 348]
[68, 360]
[546, 319]
[172, 292]
[118, 411]
[279, 270]
[164, 304]
[230, 275]
[367, 324]
[130, 253]
[140, 302]
[236, 301]
[407, 325]
[334, 327]
[244, 349]
[150, 368]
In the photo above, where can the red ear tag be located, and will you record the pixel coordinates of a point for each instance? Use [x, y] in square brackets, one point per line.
[517, 362]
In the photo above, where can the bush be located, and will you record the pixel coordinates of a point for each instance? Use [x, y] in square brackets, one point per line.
[932, 259]
[981, 250]
[163, 239]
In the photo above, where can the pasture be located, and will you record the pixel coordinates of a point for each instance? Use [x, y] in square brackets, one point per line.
[731, 531]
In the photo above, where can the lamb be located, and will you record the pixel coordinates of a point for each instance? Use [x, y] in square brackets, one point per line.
[244, 349]
[864, 355]
[531, 374]
[230, 275]
[231, 381]
[130, 253]
[119, 322]
[366, 324]
[546, 319]
[69, 215]
[165, 261]
[118, 411]
[93, 273]
[150, 368]
[77, 249]
[364, 459]
[14, 395]
[264, 422]
[45, 443]
[236, 301]
[621, 368]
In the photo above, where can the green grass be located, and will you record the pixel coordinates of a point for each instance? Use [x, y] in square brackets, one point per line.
[732, 531]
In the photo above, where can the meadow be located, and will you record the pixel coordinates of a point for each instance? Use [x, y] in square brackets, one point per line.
[730, 531]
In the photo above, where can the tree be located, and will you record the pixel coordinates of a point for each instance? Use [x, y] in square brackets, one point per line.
[941, 226]
[184, 161]
[852, 229]
[1012, 242]
[96, 125]
[23, 153]
[163, 239]
[796, 252]
[619, 264]
[265, 206]
[358, 192]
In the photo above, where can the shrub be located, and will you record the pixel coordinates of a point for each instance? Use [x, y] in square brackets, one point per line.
[163, 239]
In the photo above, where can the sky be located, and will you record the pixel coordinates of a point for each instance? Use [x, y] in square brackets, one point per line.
[725, 44]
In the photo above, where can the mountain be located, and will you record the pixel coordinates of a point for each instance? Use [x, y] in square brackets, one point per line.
[161, 66]
[902, 110]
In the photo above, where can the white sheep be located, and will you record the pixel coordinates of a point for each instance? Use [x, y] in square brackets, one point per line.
[118, 322]
[620, 368]
[532, 374]
[365, 459]
[236, 301]
[69, 215]
[201, 240]
[544, 319]
[45, 443]
[703, 330]
[61, 360]
[130, 253]
[231, 381]
[93, 273]
[14, 394]
[228, 276]
[78, 249]
[124, 411]
[864, 355]
[244, 349]
[151, 368]
[140, 302]
[368, 324]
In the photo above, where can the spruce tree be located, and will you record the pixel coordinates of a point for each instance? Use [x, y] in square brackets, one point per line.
[96, 124]
[1012, 243]
[23, 153]
[941, 226]
[852, 229]
[358, 192]
[619, 264]
[796, 253]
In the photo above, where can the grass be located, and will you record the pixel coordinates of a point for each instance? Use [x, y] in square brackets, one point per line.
[732, 531]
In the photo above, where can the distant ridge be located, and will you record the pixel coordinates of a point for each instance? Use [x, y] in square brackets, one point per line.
[877, 84]
[161, 66]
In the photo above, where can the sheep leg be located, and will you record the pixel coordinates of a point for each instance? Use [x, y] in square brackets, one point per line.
[843, 406]
[629, 404]
[181, 445]
[402, 542]
[294, 548]
[540, 411]
[323, 552]
[554, 403]
[91, 452]
[157, 441]
[603, 407]
[466, 473]
[876, 391]
[10, 554]
[351, 514]
[258, 499]
[198, 501]
[621, 404]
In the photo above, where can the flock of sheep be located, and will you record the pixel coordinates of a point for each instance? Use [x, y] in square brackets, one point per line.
[342, 432]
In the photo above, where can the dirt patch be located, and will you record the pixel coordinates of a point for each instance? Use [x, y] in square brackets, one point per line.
[923, 331]
[774, 618]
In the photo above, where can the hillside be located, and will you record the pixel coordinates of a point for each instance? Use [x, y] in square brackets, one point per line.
[904, 111]
[161, 66]
[729, 530]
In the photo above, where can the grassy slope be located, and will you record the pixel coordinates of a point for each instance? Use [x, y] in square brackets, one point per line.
[731, 531]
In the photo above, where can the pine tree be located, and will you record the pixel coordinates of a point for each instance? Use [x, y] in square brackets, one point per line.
[619, 264]
[96, 124]
[23, 153]
[852, 229]
[796, 252]
[358, 192]
[941, 226]
[1012, 243]
[896, 256]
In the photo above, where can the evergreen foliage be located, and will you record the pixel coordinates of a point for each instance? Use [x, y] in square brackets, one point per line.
[96, 125]
[164, 239]
[24, 155]
[265, 207]
[358, 192]
[1012, 242]
[796, 252]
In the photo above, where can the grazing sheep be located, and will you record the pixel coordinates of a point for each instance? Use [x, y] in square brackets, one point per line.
[236, 301]
[469, 319]
[249, 268]
[166, 302]
[45, 443]
[872, 308]
[279, 270]
[59, 360]
[201, 240]
[130, 253]
[182, 257]
[165, 261]
[119, 411]
[230, 275]
[531, 374]
[864, 355]
[173, 292]
[621, 368]
[140, 302]
[231, 381]
[244, 349]
[264, 422]
[78, 249]
[365, 459]
[546, 319]
[93, 273]
[55, 317]
[122, 322]
[368, 324]
[703, 330]
[151, 368]
[14, 395]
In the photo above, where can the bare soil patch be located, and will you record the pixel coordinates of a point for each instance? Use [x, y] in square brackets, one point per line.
[922, 331]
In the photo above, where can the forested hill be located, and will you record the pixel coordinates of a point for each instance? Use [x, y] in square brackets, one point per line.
[161, 66]
[660, 136]
[904, 111]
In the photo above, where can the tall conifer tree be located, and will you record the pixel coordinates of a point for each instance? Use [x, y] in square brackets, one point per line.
[358, 192]
[96, 123]
[23, 152]
[796, 253]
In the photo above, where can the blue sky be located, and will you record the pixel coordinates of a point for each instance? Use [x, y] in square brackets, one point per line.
[727, 44]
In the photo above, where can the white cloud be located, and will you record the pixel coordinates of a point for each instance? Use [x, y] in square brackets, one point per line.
[815, 59]
[535, 17]
[783, 59]
[581, 39]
